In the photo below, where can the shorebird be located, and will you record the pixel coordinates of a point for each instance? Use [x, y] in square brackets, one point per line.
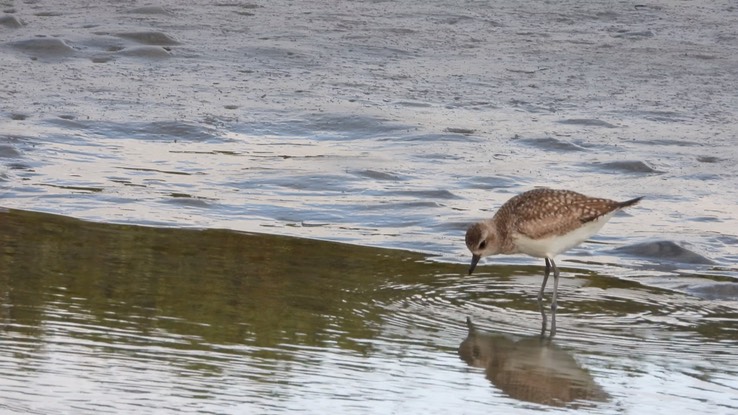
[541, 223]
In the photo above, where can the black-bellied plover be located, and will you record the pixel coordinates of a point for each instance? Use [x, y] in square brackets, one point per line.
[541, 223]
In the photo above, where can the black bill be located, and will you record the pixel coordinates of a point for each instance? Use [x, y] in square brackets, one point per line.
[475, 259]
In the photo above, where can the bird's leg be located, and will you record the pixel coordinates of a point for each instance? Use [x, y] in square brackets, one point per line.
[554, 305]
[540, 299]
[545, 280]
[542, 309]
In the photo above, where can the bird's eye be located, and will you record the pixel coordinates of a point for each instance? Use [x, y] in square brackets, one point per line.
[482, 244]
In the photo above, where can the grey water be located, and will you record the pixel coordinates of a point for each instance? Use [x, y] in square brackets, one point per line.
[259, 206]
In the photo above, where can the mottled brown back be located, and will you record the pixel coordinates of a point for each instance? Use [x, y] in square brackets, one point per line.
[546, 212]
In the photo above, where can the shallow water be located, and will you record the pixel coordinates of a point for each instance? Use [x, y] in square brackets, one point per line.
[120, 319]
[378, 124]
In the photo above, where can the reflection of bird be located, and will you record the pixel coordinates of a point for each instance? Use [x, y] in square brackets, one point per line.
[529, 369]
[541, 223]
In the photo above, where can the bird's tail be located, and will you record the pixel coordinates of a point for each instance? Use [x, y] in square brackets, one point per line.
[630, 202]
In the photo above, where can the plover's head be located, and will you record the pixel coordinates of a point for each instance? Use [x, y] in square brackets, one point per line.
[481, 239]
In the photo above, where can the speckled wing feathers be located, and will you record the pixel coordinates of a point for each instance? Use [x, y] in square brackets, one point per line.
[541, 213]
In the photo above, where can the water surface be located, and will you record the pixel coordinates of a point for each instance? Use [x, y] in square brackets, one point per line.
[388, 124]
[101, 318]
[389, 127]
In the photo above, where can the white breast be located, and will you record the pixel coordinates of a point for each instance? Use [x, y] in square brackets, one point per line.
[554, 245]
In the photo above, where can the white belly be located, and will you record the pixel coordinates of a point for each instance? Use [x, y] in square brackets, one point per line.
[554, 245]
